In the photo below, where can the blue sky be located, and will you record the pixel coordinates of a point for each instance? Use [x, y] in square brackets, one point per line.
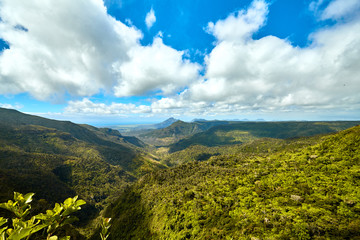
[125, 61]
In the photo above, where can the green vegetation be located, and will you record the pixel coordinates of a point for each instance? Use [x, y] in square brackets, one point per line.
[176, 131]
[23, 227]
[221, 180]
[242, 132]
[258, 147]
[298, 192]
[50, 160]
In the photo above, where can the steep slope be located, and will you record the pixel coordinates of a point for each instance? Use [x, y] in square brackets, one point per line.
[115, 136]
[312, 192]
[12, 117]
[57, 160]
[242, 132]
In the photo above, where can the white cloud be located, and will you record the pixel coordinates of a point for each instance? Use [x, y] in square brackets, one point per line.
[76, 48]
[270, 73]
[150, 18]
[86, 106]
[155, 68]
[81, 51]
[69, 47]
[250, 76]
[341, 9]
[11, 106]
[240, 25]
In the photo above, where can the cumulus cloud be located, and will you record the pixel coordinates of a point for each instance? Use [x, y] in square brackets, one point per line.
[70, 47]
[150, 18]
[242, 24]
[76, 48]
[270, 73]
[86, 106]
[245, 75]
[156, 67]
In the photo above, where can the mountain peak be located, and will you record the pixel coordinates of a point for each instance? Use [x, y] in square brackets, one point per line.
[166, 123]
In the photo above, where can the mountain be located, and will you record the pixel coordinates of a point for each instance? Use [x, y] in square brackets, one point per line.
[177, 131]
[115, 136]
[257, 146]
[240, 180]
[165, 123]
[306, 188]
[57, 160]
[242, 132]
[12, 117]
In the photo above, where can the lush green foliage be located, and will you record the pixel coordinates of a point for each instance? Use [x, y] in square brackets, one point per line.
[311, 192]
[242, 132]
[228, 182]
[23, 227]
[177, 131]
[261, 146]
[61, 159]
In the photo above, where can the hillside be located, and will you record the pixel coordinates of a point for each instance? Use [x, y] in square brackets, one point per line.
[229, 179]
[258, 146]
[176, 131]
[115, 136]
[57, 160]
[303, 192]
[242, 132]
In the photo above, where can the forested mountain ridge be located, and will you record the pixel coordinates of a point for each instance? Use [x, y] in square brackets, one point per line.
[57, 160]
[242, 132]
[10, 117]
[310, 192]
[231, 181]
[177, 131]
[115, 136]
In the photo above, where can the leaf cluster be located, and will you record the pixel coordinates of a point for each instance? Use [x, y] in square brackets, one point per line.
[24, 227]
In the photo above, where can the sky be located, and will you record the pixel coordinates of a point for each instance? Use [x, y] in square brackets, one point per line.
[140, 61]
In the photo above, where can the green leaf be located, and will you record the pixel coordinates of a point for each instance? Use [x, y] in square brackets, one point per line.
[2, 230]
[8, 206]
[42, 216]
[20, 234]
[18, 196]
[80, 202]
[69, 201]
[58, 208]
[28, 197]
[2, 221]
[49, 212]
[38, 228]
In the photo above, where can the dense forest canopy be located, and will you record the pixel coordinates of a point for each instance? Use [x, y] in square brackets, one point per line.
[213, 180]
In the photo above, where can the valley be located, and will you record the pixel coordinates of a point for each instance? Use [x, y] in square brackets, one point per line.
[190, 180]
